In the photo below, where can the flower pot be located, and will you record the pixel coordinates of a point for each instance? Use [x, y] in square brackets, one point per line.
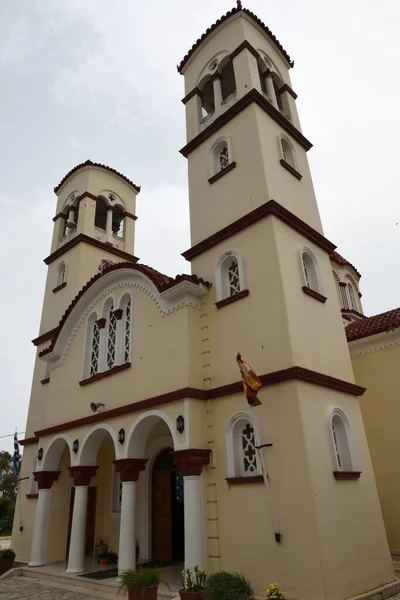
[103, 561]
[6, 564]
[186, 595]
[150, 593]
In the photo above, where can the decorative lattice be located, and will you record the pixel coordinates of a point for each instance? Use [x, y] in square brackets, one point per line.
[127, 333]
[233, 276]
[224, 158]
[112, 330]
[94, 358]
[179, 487]
[248, 448]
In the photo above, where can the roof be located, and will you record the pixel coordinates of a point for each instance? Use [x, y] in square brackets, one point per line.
[89, 163]
[339, 260]
[373, 325]
[224, 18]
[161, 281]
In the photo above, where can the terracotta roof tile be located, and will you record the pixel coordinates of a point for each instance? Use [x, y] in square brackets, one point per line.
[224, 18]
[89, 163]
[161, 281]
[339, 260]
[373, 325]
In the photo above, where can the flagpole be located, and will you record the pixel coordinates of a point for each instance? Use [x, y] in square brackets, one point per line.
[260, 457]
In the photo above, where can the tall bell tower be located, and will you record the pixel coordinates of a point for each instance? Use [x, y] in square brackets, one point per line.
[257, 234]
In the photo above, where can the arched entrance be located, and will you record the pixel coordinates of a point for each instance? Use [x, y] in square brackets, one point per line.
[167, 510]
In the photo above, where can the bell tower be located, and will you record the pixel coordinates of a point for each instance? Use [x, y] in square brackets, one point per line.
[94, 226]
[257, 234]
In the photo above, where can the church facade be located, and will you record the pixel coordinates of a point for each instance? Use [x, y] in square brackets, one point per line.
[138, 432]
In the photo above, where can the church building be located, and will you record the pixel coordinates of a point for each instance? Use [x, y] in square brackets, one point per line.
[138, 433]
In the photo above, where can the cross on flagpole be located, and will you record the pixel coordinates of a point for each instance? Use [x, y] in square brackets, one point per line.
[251, 384]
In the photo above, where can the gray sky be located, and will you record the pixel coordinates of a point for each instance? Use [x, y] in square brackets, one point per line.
[97, 79]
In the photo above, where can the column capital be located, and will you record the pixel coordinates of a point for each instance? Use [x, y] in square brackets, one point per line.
[129, 468]
[191, 461]
[45, 479]
[82, 474]
[109, 207]
[216, 76]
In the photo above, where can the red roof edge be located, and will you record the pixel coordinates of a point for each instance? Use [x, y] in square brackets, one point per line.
[384, 322]
[339, 260]
[224, 18]
[89, 163]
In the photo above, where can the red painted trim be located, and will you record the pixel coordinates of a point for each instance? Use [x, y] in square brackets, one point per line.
[342, 284]
[288, 89]
[231, 299]
[270, 208]
[244, 46]
[82, 474]
[222, 172]
[45, 479]
[101, 323]
[347, 474]
[245, 480]
[129, 468]
[59, 287]
[253, 96]
[290, 169]
[130, 215]
[45, 337]
[44, 381]
[32, 496]
[28, 441]
[59, 215]
[191, 461]
[351, 311]
[118, 313]
[81, 237]
[314, 294]
[195, 92]
[103, 374]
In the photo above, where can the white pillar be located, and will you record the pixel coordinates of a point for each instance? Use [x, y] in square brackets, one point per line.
[127, 535]
[109, 224]
[76, 558]
[217, 94]
[194, 530]
[39, 540]
[271, 90]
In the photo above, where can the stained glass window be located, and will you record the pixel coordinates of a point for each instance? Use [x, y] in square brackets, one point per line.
[127, 333]
[224, 158]
[112, 329]
[94, 358]
[233, 277]
[179, 487]
[248, 449]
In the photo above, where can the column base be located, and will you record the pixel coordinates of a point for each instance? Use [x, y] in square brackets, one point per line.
[36, 564]
[74, 571]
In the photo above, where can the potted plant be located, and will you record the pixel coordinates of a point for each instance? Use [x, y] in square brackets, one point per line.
[112, 558]
[274, 593]
[193, 582]
[7, 557]
[141, 584]
[228, 586]
[103, 558]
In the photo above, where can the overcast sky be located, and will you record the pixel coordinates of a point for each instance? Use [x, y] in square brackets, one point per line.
[97, 79]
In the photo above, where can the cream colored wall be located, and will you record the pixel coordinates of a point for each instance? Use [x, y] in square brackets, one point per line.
[378, 371]
[21, 540]
[107, 523]
[59, 512]
[348, 512]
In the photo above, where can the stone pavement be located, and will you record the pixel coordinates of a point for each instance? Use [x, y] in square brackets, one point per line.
[24, 588]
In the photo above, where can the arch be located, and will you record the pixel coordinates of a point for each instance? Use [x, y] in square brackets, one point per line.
[212, 66]
[71, 200]
[287, 150]
[54, 451]
[206, 88]
[92, 442]
[113, 199]
[353, 305]
[61, 274]
[118, 221]
[100, 218]
[310, 269]
[228, 81]
[278, 83]
[220, 154]
[342, 442]
[229, 275]
[239, 439]
[140, 429]
[336, 276]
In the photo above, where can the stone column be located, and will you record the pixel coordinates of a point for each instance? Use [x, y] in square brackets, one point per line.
[190, 463]
[45, 480]
[129, 469]
[269, 82]
[76, 558]
[109, 224]
[217, 92]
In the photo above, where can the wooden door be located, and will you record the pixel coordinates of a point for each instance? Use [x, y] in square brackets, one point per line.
[90, 520]
[162, 523]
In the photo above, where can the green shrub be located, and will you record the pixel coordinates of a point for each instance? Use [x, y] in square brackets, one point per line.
[140, 579]
[7, 553]
[228, 586]
[193, 579]
[274, 593]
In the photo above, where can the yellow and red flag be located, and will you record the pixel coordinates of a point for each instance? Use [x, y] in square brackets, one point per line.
[251, 383]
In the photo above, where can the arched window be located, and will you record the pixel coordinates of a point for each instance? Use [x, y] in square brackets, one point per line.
[287, 152]
[352, 297]
[221, 155]
[92, 351]
[311, 273]
[241, 452]
[61, 272]
[228, 82]
[126, 334]
[100, 219]
[111, 337]
[207, 97]
[229, 275]
[344, 456]
[118, 221]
